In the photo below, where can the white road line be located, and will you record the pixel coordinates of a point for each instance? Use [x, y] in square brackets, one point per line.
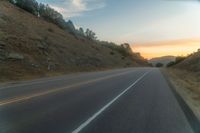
[87, 122]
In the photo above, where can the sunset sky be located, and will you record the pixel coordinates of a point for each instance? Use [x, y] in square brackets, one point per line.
[163, 48]
[153, 27]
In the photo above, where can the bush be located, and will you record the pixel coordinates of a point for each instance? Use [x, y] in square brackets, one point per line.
[112, 53]
[177, 60]
[159, 65]
[124, 51]
[50, 30]
[171, 64]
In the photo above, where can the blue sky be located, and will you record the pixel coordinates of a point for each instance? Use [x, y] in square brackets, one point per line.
[134, 21]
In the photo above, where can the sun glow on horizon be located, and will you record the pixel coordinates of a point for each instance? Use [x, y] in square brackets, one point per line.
[165, 48]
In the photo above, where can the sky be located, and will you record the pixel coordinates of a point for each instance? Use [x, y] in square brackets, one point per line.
[152, 27]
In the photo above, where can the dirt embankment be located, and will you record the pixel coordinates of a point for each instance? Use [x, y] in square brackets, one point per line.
[31, 47]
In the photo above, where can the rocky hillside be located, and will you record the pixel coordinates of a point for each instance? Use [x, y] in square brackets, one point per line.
[32, 47]
[191, 63]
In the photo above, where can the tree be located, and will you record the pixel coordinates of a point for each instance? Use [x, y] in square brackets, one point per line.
[49, 14]
[81, 31]
[127, 47]
[90, 34]
[70, 27]
[28, 5]
[12, 1]
[170, 64]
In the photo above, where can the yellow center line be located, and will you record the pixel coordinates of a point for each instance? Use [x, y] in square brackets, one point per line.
[28, 97]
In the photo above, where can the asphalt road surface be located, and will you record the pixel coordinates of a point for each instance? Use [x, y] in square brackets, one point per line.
[133, 100]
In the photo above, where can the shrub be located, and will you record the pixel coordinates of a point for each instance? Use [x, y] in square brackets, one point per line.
[112, 53]
[50, 30]
[170, 64]
[177, 60]
[159, 65]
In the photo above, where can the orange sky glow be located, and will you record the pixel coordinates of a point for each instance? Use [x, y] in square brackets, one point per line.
[163, 48]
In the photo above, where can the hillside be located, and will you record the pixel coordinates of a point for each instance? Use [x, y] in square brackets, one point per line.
[185, 76]
[31, 47]
[164, 60]
[191, 63]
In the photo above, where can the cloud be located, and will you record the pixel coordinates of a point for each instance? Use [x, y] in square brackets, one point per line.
[79, 4]
[73, 8]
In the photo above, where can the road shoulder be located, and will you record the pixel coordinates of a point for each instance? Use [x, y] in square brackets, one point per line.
[184, 98]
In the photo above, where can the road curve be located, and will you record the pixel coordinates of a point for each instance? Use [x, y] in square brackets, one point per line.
[133, 100]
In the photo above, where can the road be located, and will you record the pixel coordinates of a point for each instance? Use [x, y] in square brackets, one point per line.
[132, 100]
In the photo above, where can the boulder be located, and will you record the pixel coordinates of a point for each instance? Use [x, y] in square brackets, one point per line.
[2, 57]
[2, 51]
[42, 45]
[16, 56]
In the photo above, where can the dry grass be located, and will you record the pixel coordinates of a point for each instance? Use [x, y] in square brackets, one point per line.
[187, 84]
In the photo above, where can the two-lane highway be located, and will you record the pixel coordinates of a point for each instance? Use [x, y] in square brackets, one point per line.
[133, 100]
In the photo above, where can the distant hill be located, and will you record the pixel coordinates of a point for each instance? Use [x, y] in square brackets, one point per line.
[164, 60]
[191, 63]
[32, 47]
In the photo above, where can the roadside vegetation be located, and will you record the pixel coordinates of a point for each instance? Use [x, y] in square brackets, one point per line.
[178, 59]
[159, 65]
[49, 14]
